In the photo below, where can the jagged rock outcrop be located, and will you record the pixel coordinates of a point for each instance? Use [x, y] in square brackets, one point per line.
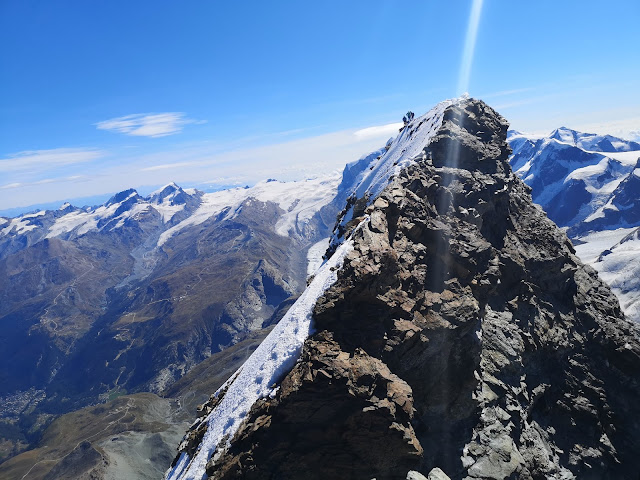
[462, 333]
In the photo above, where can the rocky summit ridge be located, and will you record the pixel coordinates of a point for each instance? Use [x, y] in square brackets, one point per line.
[462, 334]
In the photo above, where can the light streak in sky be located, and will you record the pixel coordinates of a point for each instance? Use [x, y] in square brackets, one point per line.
[469, 47]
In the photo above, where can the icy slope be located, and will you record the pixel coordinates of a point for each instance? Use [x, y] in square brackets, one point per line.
[260, 374]
[615, 254]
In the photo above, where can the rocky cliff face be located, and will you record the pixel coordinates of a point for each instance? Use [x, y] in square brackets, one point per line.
[462, 333]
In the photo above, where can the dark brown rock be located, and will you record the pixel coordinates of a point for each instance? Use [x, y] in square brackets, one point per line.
[350, 404]
[462, 333]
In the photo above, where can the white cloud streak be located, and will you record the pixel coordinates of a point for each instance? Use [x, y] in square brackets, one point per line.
[47, 159]
[190, 165]
[147, 124]
[390, 129]
[45, 181]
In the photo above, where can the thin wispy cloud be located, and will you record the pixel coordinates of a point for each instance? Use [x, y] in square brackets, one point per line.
[46, 159]
[388, 129]
[44, 181]
[166, 166]
[148, 124]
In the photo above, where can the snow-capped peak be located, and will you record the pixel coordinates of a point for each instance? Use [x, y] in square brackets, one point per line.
[168, 186]
[564, 134]
[121, 197]
[170, 190]
[593, 142]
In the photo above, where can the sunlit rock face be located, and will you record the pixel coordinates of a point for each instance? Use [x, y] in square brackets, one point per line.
[462, 333]
[590, 185]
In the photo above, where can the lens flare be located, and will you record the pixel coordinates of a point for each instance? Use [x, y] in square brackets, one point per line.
[469, 47]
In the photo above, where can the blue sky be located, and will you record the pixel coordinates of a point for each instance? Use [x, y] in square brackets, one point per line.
[100, 96]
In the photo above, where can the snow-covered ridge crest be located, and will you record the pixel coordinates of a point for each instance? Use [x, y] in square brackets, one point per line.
[403, 150]
[261, 373]
[400, 153]
[258, 377]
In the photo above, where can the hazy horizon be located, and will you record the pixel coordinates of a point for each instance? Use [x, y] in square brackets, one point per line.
[104, 97]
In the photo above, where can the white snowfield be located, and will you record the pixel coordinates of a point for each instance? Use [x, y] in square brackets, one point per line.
[22, 224]
[615, 254]
[617, 165]
[300, 201]
[261, 373]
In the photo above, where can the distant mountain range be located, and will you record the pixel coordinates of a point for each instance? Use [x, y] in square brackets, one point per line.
[130, 295]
